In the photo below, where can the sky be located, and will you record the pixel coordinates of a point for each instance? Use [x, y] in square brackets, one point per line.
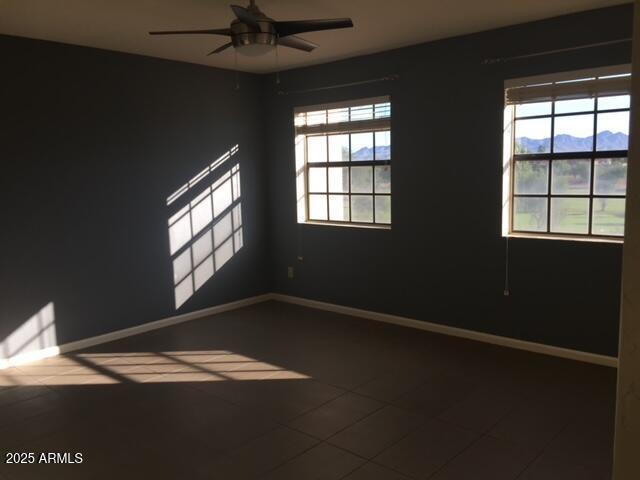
[579, 125]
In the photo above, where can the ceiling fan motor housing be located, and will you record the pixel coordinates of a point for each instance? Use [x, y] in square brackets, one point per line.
[243, 35]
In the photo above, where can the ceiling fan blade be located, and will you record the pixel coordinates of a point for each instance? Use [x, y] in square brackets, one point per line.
[245, 16]
[297, 43]
[220, 49]
[300, 26]
[218, 31]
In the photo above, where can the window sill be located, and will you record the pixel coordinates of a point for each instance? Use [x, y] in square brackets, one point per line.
[368, 226]
[570, 238]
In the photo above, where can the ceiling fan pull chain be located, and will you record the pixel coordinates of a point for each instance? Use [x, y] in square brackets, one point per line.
[235, 60]
[277, 66]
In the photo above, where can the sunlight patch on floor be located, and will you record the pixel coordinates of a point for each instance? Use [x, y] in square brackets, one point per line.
[145, 367]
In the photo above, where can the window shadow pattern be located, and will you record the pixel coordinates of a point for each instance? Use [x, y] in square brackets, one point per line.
[206, 232]
[35, 334]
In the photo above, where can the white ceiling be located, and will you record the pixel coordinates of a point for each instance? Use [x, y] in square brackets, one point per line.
[122, 25]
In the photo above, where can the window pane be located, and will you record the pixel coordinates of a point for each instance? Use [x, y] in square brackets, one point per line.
[339, 179]
[383, 179]
[573, 134]
[383, 209]
[316, 118]
[339, 148]
[617, 101]
[530, 214]
[613, 131]
[383, 110]
[317, 179]
[533, 109]
[337, 115]
[362, 208]
[532, 177]
[361, 179]
[533, 136]
[318, 207]
[383, 145]
[339, 208]
[570, 215]
[317, 149]
[300, 119]
[362, 112]
[362, 146]
[578, 105]
[610, 176]
[571, 177]
[608, 216]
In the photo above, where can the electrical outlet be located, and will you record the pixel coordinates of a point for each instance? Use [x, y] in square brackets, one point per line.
[290, 272]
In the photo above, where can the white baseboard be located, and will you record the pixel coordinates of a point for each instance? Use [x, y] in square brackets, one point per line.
[127, 332]
[453, 331]
[355, 312]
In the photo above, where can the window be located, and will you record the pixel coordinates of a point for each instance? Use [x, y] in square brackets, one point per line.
[565, 160]
[343, 163]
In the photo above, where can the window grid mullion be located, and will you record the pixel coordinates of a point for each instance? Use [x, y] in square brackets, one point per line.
[550, 167]
[513, 170]
[569, 114]
[306, 178]
[373, 179]
[591, 173]
[326, 170]
[349, 168]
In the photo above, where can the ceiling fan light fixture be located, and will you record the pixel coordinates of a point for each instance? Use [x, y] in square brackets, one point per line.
[255, 49]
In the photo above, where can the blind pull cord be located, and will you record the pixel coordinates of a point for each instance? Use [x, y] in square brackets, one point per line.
[506, 290]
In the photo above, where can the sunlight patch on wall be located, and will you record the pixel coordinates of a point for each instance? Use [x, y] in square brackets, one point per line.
[207, 231]
[200, 176]
[38, 333]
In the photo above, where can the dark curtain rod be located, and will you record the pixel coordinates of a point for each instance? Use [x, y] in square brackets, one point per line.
[486, 61]
[387, 78]
[493, 61]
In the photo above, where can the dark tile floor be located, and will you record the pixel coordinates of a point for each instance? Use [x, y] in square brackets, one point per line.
[277, 391]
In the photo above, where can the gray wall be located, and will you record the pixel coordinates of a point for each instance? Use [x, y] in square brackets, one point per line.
[92, 143]
[443, 260]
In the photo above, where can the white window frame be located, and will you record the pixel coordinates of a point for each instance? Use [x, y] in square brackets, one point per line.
[308, 124]
[542, 82]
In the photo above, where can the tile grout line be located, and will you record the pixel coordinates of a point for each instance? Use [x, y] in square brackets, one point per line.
[474, 442]
[543, 450]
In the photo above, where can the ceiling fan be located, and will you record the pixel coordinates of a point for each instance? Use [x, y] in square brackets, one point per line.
[253, 33]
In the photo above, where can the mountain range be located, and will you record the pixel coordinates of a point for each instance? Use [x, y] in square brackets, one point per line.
[567, 143]
[383, 152]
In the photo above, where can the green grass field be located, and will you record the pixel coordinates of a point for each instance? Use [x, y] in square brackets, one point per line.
[570, 215]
